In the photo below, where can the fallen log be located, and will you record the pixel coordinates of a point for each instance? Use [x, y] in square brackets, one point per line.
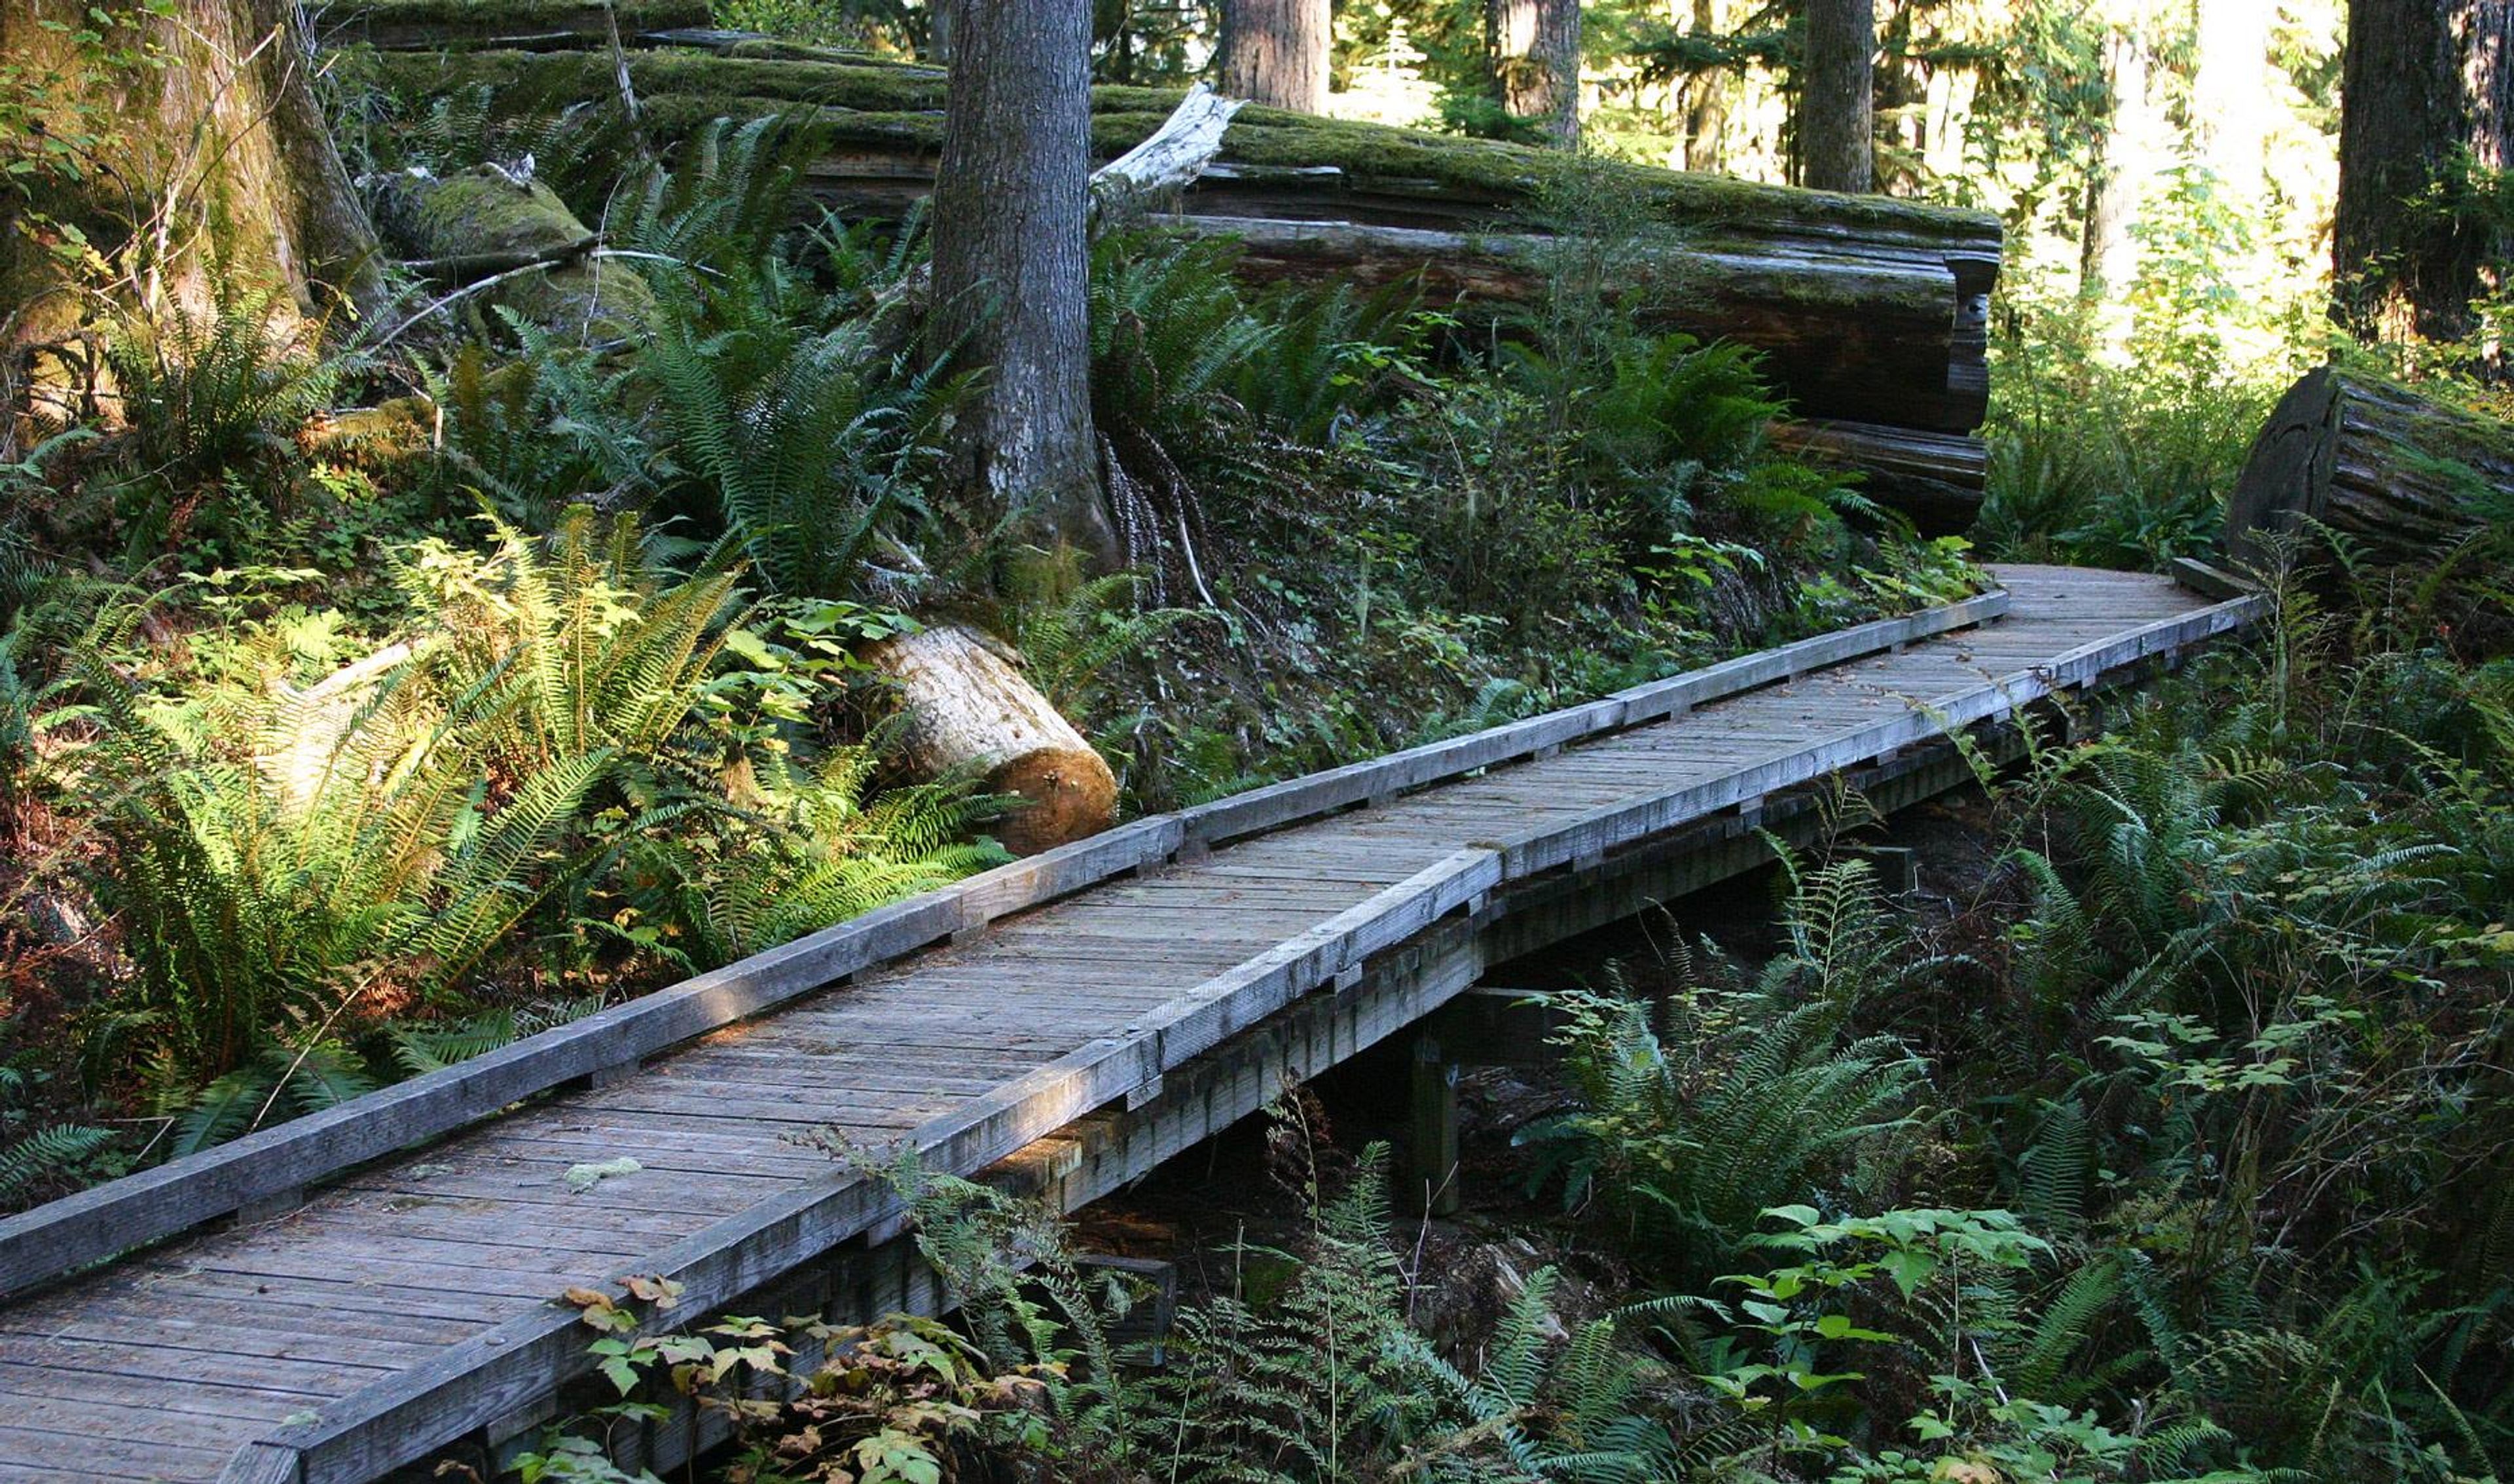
[966, 709]
[1850, 330]
[2404, 477]
[2406, 482]
[1935, 478]
[510, 234]
[1869, 309]
[505, 24]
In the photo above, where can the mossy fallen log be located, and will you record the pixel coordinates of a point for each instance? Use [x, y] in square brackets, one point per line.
[509, 24]
[2401, 475]
[2404, 481]
[513, 235]
[1868, 309]
[1847, 332]
[1935, 478]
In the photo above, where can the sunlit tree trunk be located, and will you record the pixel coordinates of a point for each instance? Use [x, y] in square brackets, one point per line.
[1536, 49]
[1012, 261]
[2230, 93]
[2427, 90]
[1276, 52]
[1706, 108]
[202, 166]
[1836, 96]
[2133, 149]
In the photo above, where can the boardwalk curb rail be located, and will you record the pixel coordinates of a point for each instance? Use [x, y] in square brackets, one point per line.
[492, 1374]
[155, 1204]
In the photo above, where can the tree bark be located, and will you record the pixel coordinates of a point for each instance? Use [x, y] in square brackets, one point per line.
[1535, 50]
[1705, 102]
[1276, 52]
[213, 175]
[966, 709]
[2427, 89]
[1011, 266]
[1836, 96]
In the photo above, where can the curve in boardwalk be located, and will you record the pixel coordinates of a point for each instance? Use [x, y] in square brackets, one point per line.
[407, 1303]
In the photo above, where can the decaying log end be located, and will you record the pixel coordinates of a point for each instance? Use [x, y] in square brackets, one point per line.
[965, 710]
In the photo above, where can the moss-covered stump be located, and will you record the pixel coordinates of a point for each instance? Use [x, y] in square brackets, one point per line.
[490, 224]
[1868, 308]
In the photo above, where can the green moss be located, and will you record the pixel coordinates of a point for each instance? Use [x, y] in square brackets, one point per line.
[519, 15]
[871, 100]
[479, 212]
[602, 299]
[482, 215]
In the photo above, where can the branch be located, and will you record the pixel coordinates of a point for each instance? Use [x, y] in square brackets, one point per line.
[1169, 161]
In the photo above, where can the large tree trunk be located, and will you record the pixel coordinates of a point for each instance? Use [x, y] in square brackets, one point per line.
[1011, 265]
[2425, 85]
[1276, 52]
[1706, 100]
[214, 176]
[2407, 483]
[1535, 50]
[966, 709]
[1836, 96]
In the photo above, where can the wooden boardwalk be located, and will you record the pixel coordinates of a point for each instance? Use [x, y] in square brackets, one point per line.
[345, 1295]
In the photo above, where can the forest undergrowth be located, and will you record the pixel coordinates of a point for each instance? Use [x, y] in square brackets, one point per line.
[369, 703]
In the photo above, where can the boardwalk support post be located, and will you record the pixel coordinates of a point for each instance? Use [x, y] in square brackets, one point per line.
[1432, 1149]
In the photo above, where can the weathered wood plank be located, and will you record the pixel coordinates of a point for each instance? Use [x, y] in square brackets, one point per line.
[1304, 798]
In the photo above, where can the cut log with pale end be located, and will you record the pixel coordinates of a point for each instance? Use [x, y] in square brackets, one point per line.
[1935, 478]
[966, 710]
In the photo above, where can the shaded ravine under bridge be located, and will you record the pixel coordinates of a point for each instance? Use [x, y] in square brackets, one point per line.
[370, 1288]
